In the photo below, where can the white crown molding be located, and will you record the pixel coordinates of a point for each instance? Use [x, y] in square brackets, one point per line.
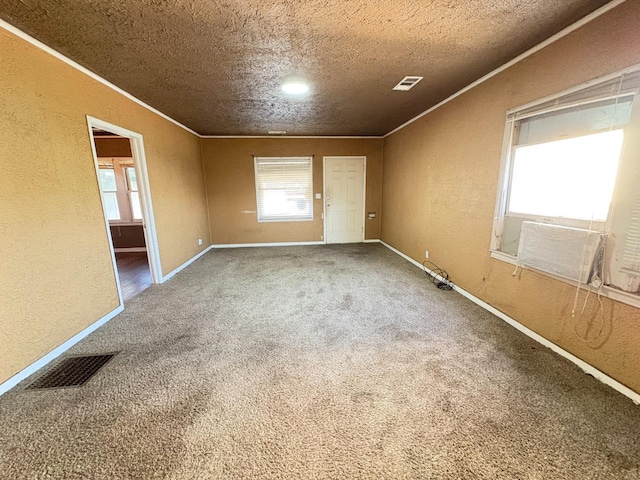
[38, 44]
[562, 33]
[323, 137]
[602, 10]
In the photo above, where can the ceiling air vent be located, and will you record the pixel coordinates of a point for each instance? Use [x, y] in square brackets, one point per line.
[407, 83]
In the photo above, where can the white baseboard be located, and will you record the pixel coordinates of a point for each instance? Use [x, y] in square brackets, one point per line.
[185, 264]
[587, 368]
[273, 244]
[53, 354]
[278, 244]
[130, 249]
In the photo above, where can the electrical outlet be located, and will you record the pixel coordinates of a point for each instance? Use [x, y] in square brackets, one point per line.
[199, 241]
[426, 254]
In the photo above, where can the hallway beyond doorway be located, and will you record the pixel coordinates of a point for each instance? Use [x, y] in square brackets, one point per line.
[133, 269]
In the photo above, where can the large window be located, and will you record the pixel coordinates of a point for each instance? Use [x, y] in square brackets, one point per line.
[284, 188]
[119, 187]
[571, 163]
[571, 178]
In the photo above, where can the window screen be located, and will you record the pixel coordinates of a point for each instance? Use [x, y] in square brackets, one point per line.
[284, 188]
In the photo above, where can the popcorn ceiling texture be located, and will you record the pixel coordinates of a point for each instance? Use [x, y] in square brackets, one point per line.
[326, 362]
[450, 160]
[217, 66]
[57, 276]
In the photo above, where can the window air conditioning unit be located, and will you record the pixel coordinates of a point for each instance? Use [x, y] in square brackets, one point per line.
[567, 252]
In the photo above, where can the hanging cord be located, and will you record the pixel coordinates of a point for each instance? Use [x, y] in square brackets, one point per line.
[600, 255]
[517, 270]
[580, 282]
[599, 266]
[438, 276]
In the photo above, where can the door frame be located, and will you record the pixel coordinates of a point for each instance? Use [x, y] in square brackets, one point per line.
[148, 219]
[324, 192]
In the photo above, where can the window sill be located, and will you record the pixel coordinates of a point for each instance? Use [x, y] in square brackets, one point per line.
[283, 220]
[609, 292]
[125, 224]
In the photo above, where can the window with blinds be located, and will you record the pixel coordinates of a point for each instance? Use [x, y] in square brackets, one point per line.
[631, 252]
[284, 188]
[572, 160]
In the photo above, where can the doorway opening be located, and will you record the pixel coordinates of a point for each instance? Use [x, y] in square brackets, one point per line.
[344, 199]
[124, 189]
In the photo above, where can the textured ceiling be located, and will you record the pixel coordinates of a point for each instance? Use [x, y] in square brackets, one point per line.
[216, 66]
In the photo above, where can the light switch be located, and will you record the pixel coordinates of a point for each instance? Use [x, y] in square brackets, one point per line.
[318, 196]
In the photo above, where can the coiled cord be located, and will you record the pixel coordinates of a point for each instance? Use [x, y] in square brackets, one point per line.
[438, 276]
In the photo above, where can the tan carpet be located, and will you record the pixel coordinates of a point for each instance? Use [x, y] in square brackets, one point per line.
[318, 362]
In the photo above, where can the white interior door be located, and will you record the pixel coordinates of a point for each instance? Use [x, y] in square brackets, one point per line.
[344, 199]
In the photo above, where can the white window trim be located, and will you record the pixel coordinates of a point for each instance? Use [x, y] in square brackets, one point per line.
[502, 195]
[140, 161]
[256, 159]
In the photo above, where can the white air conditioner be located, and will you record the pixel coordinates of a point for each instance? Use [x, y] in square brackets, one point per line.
[563, 251]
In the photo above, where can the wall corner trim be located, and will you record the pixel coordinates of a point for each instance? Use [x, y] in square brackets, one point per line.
[56, 352]
[552, 39]
[185, 264]
[584, 366]
[372, 240]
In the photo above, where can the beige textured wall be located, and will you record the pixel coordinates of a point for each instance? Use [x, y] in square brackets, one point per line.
[51, 289]
[230, 179]
[440, 184]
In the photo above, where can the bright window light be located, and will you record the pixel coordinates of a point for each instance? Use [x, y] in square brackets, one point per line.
[284, 188]
[572, 178]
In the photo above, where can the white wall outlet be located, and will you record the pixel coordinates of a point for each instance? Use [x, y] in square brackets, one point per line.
[426, 254]
[199, 241]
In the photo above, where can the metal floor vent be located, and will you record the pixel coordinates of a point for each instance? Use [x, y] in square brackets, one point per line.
[71, 372]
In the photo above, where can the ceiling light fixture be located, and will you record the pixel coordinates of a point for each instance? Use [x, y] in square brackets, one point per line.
[277, 132]
[295, 88]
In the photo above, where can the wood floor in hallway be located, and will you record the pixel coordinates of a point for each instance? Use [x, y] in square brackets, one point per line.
[134, 273]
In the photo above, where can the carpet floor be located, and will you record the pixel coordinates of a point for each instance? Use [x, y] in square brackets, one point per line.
[319, 362]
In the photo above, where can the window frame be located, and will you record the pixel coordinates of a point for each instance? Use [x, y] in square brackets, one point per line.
[292, 218]
[504, 182]
[131, 190]
[104, 191]
[119, 166]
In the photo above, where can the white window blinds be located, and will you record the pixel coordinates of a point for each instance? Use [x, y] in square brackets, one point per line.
[598, 99]
[284, 188]
[631, 252]
[571, 161]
